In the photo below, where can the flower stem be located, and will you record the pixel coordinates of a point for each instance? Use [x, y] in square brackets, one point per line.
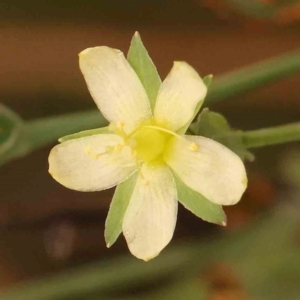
[271, 136]
[253, 76]
[40, 132]
[46, 130]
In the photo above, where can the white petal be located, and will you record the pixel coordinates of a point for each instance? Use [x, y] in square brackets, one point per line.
[208, 167]
[77, 164]
[178, 96]
[114, 85]
[150, 218]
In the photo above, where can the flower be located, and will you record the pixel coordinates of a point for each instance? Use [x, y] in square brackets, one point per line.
[145, 142]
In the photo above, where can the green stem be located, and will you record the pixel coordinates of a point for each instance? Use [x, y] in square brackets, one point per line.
[271, 136]
[41, 132]
[46, 130]
[254, 76]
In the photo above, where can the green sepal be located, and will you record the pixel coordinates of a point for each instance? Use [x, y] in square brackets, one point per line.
[144, 67]
[214, 126]
[198, 204]
[84, 133]
[117, 209]
[207, 81]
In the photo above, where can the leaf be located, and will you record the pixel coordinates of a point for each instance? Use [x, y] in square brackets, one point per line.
[215, 126]
[143, 65]
[84, 133]
[198, 204]
[117, 209]
[207, 81]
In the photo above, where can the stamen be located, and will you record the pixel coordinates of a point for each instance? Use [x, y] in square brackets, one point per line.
[92, 154]
[133, 153]
[146, 183]
[87, 150]
[141, 174]
[95, 156]
[128, 165]
[194, 147]
[120, 125]
[164, 130]
[117, 128]
[119, 147]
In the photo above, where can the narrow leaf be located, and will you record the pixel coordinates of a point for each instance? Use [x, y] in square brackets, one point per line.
[143, 65]
[117, 209]
[198, 204]
[84, 133]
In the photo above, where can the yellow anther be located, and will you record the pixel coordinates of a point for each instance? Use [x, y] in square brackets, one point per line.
[133, 153]
[146, 183]
[194, 147]
[118, 147]
[120, 125]
[95, 156]
[88, 150]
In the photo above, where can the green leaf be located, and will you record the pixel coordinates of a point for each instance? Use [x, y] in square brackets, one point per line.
[143, 65]
[215, 126]
[198, 204]
[84, 133]
[117, 209]
[207, 81]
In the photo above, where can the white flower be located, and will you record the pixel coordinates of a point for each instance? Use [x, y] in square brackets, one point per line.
[145, 141]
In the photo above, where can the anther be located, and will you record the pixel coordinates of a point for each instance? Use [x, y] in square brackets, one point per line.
[87, 150]
[118, 147]
[145, 182]
[95, 156]
[194, 147]
[120, 125]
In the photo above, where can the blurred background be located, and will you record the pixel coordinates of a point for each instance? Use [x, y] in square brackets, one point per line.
[47, 230]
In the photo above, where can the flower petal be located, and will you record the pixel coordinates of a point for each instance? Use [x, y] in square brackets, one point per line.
[150, 218]
[179, 95]
[208, 167]
[114, 85]
[91, 163]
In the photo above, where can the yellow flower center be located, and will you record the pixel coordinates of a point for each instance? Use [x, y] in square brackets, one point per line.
[149, 142]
